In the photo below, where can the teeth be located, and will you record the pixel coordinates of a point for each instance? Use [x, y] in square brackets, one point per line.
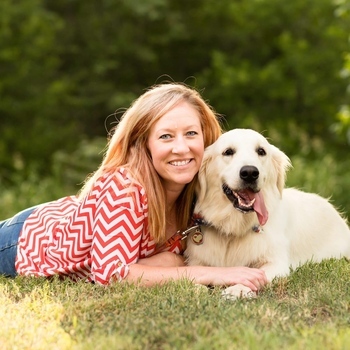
[180, 163]
[242, 203]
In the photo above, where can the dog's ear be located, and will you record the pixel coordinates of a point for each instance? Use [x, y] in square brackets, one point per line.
[281, 164]
[203, 175]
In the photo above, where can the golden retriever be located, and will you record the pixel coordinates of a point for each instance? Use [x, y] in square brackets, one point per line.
[247, 217]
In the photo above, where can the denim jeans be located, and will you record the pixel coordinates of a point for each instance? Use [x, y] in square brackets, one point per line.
[9, 233]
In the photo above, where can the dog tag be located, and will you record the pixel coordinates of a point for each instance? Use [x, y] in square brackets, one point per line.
[197, 237]
[257, 229]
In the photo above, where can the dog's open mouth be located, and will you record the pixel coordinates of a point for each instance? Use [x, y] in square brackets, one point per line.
[242, 200]
[246, 200]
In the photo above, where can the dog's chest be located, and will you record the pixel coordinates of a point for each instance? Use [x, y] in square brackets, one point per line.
[221, 250]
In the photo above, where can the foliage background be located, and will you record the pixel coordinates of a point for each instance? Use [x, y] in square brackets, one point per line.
[68, 67]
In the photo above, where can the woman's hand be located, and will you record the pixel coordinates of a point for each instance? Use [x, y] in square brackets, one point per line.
[252, 278]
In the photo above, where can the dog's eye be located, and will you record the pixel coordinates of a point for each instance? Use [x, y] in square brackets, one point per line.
[261, 151]
[228, 152]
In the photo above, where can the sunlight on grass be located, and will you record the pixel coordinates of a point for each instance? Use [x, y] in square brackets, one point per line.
[323, 337]
[307, 310]
[32, 322]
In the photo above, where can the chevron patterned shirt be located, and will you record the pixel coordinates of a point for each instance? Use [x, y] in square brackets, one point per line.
[95, 238]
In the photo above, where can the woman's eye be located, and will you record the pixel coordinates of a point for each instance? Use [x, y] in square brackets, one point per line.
[165, 137]
[192, 133]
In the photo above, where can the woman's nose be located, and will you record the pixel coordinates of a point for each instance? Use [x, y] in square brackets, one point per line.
[180, 145]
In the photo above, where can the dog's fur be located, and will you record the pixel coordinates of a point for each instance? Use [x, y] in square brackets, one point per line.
[295, 227]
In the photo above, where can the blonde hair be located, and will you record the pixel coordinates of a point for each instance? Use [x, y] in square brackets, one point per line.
[128, 148]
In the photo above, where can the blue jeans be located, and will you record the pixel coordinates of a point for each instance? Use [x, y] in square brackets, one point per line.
[9, 233]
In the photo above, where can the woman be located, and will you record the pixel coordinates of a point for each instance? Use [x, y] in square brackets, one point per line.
[121, 226]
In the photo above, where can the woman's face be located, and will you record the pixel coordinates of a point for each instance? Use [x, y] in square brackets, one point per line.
[176, 145]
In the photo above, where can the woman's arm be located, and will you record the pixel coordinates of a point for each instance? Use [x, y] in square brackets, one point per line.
[164, 259]
[168, 266]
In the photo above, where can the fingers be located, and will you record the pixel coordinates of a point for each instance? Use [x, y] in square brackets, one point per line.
[255, 279]
[252, 278]
[260, 278]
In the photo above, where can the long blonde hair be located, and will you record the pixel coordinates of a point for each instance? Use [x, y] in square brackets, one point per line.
[128, 148]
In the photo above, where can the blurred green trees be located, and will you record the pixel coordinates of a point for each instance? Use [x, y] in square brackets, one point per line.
[280, 67]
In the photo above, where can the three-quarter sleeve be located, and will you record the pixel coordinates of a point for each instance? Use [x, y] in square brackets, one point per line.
[117, 228]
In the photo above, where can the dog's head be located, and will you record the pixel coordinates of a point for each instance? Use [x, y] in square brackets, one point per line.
[244, 168]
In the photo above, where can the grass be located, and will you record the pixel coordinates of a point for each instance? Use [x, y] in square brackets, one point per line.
[307, 310]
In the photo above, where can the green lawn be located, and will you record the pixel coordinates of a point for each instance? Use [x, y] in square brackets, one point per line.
[308, 310]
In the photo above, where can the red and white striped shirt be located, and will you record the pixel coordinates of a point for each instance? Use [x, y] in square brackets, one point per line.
[94, 238]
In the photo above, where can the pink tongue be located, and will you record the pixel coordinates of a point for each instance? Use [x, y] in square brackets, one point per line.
[259, 206]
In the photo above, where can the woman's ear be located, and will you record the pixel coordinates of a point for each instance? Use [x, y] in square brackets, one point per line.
[281, 164]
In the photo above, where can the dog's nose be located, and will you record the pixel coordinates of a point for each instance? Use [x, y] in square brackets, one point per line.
[249, 173]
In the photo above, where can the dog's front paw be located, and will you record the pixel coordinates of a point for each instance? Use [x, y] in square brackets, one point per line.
[238, 291]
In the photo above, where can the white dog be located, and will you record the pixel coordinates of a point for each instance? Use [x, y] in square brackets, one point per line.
[247, 218]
